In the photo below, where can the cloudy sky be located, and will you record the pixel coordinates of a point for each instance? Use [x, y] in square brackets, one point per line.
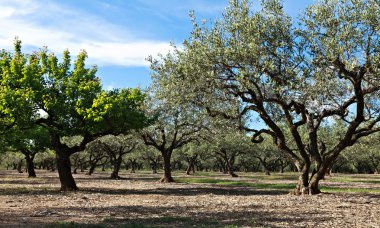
[117, 34]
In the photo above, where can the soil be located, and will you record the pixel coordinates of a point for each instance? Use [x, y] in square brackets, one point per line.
[141, 199]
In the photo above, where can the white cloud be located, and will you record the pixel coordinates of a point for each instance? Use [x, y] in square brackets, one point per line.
[110, 87]
[44, 23]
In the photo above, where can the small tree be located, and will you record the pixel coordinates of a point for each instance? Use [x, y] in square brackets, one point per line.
[29, 142]
[191, 153]
[97, 156]
[151, 156]
[173, 128]
[116, 148]
[228, 147]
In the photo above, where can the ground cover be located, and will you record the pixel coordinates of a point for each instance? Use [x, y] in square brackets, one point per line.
[202, 200]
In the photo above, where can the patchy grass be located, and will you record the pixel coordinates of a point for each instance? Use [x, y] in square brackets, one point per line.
[235, 183]
[280, 186]
[348, 179]
[349, 190]
[273, 176]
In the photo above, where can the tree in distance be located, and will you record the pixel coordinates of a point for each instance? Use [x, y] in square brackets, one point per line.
[173, 127]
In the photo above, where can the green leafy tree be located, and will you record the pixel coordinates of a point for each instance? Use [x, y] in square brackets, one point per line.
[46, 160]
[365, 155]
[151, 156]
[70, 100]
[14, 160]
[191, 153]
[116, 148]
[29, 142]
[96, 155]
[174, 127]
[293, 77]
[228, 146]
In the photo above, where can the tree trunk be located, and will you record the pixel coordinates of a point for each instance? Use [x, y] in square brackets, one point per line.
[154, 170]
[154, 165]
[19, 167]
[133, 167]
[303, 179]
[116, 169]
[91, 170]
[314, 185]
[266, 169]
[190, 166]
[64, 171]
[75, 170]
[167, 178]
[30, 166]
[231, 172]
[230, 169]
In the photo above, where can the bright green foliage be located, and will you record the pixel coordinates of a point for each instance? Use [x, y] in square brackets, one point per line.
[117, 111]
[37, 88]
[66, 100]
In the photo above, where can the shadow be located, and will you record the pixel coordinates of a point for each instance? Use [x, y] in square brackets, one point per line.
[167, 191]
[193, 191]
[108, 178]
[177, 216]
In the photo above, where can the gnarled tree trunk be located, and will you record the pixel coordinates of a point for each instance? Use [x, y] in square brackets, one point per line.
[167, 178]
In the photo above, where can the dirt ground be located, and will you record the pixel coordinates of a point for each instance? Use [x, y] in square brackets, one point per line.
[140, 199]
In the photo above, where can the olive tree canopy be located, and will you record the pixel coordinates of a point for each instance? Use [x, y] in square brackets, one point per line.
[295, 77]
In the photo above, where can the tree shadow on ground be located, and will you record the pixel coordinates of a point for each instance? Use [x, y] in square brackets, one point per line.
[167, 191]
[193, 191]
[153, 216]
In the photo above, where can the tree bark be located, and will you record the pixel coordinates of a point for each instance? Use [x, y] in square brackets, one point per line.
[30, 166]
[303, 179]
[167, 178]
[133, 166]
[64, 171]
[154, 169]
[19, 167]
[91, 170]
[154, 166]
[188, 170]
[116, 169]
[191, 164]
[231, 171]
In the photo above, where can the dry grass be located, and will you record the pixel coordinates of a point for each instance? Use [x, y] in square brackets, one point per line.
[140, 200]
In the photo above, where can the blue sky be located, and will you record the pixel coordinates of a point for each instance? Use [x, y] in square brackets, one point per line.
[117, 34]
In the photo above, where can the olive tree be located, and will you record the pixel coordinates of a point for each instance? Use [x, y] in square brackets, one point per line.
[29, 142]
[151, 156]
[292, 77]
[173, 127]
[116, 147]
